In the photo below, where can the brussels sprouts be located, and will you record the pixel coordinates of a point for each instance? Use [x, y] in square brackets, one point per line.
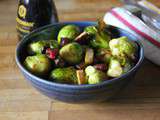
[94, 76]
[38, 47]
[122, 60]
[87, 57]
[122, 46]
[38, 64]
[90, 70]
[64, 75]
[100, 40]
[126, 63]
[71, 53]
[91, 30]
[53, 44]
[115, 69]
[69, 31]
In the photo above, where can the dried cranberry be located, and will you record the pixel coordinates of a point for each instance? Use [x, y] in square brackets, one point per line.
[98, 59]
[64, 41]
[59, 62]
[102, 67]
[51, 53]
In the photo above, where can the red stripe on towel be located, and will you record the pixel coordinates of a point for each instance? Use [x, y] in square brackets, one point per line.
[118, 16]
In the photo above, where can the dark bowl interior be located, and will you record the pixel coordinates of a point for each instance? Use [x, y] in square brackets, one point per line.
[75, 93]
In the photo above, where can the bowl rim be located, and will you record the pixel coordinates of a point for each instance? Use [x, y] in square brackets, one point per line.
[72, 86]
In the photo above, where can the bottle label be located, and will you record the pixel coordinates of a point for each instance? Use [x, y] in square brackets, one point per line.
[22, 25]
[22, 11]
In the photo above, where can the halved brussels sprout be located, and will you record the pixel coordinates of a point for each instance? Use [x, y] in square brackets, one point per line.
[122, 46]
[71, 53]
[101, 40]
[38, 47]
[38, 64]
[64, 75]
[94, 76]
[69, 31]
[91, 30]
[90, 70]
[115, 69]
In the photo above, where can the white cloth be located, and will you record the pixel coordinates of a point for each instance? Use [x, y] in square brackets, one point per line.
[152, 52]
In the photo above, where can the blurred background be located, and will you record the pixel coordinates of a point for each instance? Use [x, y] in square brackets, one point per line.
[78, 9]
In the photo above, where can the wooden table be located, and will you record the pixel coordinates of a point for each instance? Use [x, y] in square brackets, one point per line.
[19, 101]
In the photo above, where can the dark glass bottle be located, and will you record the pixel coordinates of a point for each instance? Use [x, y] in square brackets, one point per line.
[32, 14]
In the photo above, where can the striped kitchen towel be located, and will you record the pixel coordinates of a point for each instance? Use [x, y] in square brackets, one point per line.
[122, 18]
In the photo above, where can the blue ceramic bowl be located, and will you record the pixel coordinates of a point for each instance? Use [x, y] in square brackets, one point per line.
[75, 93]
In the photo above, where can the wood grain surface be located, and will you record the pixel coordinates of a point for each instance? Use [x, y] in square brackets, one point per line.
[19, 101]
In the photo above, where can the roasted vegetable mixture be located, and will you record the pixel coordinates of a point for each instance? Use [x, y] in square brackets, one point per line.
[88, 57]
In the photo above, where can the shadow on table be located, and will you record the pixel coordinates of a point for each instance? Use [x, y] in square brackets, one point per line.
[144, 88]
